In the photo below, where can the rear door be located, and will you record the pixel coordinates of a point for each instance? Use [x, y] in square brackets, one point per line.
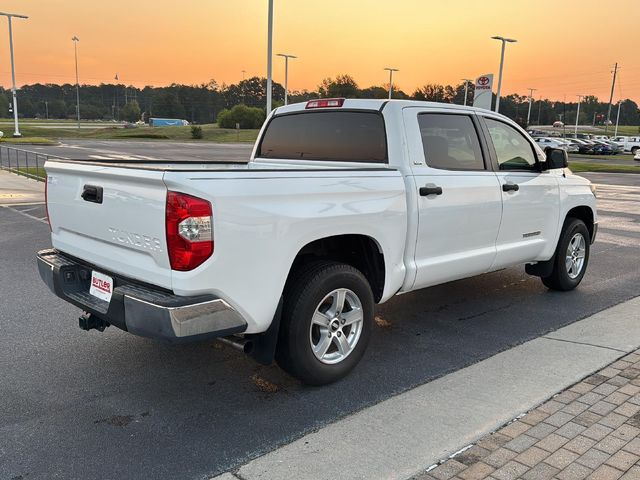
[111, 217]
[530, 198]
[459, 201]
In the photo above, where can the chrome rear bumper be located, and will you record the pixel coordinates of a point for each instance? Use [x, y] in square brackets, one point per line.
[138, 308]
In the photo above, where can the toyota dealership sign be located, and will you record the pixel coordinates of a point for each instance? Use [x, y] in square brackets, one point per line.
[483, 92]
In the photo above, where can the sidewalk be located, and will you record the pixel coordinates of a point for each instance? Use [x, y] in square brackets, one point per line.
[16, 189]
[578, 432]
[588, 431]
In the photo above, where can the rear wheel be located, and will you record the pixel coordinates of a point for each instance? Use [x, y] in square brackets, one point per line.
[572, 256]
[326, 322]
[634, 150]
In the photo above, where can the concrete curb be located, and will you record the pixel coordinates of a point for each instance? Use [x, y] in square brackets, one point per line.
[404, 435]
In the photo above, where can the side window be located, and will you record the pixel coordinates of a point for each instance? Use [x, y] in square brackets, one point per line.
[450, 142]
[513, 150]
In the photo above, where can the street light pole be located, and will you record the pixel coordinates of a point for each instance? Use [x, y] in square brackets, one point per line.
[531, 90]
[16, 132]
[286, 73]
[75, 41]
[615, 134]
[269, 55]
[466, 88]
[580, 97]
[391, 70]
[504, 42]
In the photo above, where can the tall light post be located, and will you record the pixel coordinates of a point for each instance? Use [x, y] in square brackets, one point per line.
[286, 73]
[531, 90]
[580, 97]
[391, 70]
[269, 55]
[75, 41]
[16, 132]
[615, 134]
[504, 42]
[466, 88]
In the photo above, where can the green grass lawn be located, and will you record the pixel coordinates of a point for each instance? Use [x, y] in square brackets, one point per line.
[211, 133]
[603, 167]
[28, 141]
[37, 173]
[622, 130]
[620, 156]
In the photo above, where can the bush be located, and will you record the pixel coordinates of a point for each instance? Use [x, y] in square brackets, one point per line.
[196, 132]
[247, 117]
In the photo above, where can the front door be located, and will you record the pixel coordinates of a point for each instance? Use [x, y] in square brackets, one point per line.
[458, 197]
[530, 198]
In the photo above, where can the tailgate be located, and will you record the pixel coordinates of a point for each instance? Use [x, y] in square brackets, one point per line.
[124, 231]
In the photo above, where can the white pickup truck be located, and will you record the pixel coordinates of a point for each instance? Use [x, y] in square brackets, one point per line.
[628, 144]
[343, 204]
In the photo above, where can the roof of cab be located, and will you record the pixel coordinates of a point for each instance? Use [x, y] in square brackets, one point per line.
[376, 104]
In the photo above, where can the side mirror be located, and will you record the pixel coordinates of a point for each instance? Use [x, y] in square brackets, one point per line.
[556, 158]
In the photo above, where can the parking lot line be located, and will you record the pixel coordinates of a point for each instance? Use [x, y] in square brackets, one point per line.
[402, 436]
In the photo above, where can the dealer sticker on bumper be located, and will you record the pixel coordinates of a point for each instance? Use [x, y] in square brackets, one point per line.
[101, 286]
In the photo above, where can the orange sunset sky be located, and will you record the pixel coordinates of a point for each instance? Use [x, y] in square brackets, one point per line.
[565, 47]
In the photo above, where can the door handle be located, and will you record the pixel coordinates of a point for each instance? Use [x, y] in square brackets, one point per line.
[92, 193]
[510, 187]
[425, 191]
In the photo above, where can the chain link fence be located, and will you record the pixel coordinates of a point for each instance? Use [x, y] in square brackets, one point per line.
[24, 162]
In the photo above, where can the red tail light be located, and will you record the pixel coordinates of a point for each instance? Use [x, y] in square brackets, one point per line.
[46, 201]
[189, 224]
[325, 103]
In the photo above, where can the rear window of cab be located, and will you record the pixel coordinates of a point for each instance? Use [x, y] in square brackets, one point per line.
[341, 136]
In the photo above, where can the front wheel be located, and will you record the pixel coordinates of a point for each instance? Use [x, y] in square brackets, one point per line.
[572, 257]
[326, 322]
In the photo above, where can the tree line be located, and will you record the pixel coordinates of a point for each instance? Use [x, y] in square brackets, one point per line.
[202, 103]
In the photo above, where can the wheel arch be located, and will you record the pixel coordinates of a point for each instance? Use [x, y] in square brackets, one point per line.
[358, 250]
[584, 213]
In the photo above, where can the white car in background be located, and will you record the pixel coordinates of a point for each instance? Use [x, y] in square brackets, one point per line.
[551, 142]
[637, 156]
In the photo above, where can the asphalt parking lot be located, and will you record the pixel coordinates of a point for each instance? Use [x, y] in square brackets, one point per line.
[110, 405]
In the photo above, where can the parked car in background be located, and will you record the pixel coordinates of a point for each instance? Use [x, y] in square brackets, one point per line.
[628, 144]
[603, 138]
[550, 142]
[558, 124]
[583, 147]
[637, 156]
[602, 148]
[614, 146]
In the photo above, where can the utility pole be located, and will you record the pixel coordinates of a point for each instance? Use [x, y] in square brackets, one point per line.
[580, 97]
[269, 56]
[16, 131]
[504, 42]
[46, 109]
[75, 41]
[531, 90]
[466, 89]
[391, 70]
[242, 89]
[613, 86]
[539, 109]
[286, 73]
[615, 134]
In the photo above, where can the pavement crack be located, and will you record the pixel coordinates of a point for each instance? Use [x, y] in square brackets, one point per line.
[584, 343]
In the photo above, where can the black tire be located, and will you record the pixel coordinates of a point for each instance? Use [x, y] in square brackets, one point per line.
[305, 290]
[560, 279]
[634, 150]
